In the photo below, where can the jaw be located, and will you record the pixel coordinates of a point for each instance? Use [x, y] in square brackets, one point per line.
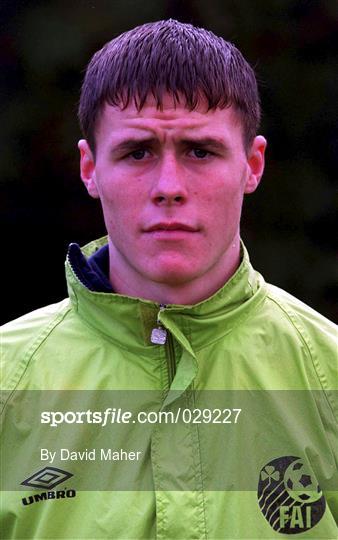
[173, 275]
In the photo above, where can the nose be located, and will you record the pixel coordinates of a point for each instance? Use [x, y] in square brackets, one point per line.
[169, 186]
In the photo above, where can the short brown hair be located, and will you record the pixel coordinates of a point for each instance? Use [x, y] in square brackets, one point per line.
[169, 56]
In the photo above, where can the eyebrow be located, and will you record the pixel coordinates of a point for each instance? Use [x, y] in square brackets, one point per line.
[206, 142]
[130, 144]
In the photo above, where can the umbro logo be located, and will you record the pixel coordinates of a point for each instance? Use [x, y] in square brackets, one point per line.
[47, 478]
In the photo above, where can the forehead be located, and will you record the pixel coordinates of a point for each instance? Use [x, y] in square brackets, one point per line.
[172, 118]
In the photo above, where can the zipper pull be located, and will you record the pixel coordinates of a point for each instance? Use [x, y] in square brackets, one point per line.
[159, 334]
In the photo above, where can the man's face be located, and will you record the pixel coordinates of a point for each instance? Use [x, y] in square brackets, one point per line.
[171, 184]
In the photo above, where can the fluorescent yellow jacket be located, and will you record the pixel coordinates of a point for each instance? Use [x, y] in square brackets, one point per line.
[249, 449]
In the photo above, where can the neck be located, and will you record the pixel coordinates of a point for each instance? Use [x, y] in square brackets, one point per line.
[126, 281]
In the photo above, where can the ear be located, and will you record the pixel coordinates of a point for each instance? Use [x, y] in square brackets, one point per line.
[87, 168]
[256, 163]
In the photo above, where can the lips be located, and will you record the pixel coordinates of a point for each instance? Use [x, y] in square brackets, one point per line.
[171, 226]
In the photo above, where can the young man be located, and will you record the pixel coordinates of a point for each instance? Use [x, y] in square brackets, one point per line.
[168, 309]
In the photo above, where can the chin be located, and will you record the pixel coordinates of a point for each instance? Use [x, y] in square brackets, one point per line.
[173, 275]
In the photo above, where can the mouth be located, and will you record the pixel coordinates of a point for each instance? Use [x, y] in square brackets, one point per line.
[171, 226]
[171, 231]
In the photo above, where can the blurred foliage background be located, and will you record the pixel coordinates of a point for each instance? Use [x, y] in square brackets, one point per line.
[288, 224]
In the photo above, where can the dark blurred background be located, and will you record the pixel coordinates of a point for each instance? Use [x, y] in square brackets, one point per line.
[288, 224]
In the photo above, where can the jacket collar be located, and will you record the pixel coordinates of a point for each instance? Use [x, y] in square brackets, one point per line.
[129, 321]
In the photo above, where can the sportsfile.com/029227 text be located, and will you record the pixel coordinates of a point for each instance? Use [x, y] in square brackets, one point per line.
[119, 416]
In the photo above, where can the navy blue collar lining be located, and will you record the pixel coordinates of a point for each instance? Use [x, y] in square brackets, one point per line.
[92, 272]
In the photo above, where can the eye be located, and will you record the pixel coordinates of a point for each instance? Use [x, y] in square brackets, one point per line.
[199, 153]
[138, 154]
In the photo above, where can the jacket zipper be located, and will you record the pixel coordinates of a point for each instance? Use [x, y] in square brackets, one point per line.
[171, 362]
[161, 336]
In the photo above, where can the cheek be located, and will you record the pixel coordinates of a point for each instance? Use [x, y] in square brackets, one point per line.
[224, 200]
[121, 189]
[113, 195]
[223, 212]
[121, 213]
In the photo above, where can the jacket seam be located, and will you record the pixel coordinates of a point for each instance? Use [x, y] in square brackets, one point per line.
[200, 470]
[161, 510]
[293, 319]
[241, 319]
[110, 339]
[28, 355]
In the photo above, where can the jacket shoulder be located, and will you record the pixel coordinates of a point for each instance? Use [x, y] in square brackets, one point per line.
[21, 337]
[317, 333]
[304, 317]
